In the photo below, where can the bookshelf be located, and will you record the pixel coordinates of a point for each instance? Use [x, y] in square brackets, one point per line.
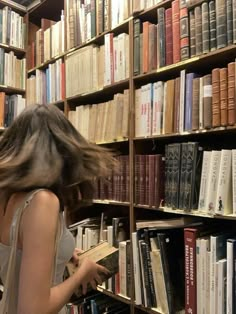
[98, 89]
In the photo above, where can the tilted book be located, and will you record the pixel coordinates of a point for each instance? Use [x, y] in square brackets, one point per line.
[102, 254]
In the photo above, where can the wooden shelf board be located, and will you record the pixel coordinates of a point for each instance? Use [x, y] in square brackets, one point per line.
[14, 5]
[17, 51]
[193, 63]
[121, 140]
[147, 309]
[194, 212]
[2, 129]
[109, 89]
[57, 103]
[191, 133]
[110, 202]
[46, 64]
[117, 297]
[11, 90]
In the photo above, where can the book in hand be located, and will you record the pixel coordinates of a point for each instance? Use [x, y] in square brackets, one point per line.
[102, 254]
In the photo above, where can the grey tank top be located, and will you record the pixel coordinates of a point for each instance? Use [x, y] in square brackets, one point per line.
[65, 251]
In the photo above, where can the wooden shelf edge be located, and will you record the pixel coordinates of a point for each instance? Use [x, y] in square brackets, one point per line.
[14, 5]
[117, 297]
[193, 212]
[99, 91]
[46, 63]
[56, 103]
[16, 50]
[9, 89]
[147, 309]
[181, 64]
[190, 133]
[113, 142]
[110, 202]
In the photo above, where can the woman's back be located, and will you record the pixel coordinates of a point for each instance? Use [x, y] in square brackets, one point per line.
[7, 228]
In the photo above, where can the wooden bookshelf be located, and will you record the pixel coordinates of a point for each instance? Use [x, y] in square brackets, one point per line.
[17, 51]
[11, 90]
[155, 144]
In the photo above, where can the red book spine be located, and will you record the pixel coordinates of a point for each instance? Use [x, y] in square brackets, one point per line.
[176, 31]
[169, 36]
[190, 236]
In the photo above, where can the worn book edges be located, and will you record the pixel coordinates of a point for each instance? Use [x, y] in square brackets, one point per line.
[102, 254]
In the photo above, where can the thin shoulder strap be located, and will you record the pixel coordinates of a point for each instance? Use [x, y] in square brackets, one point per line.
[9, 283]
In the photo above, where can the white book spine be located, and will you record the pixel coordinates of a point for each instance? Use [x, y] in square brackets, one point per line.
[158, 91]
[199, 275]
[110, 241]
[234, 179]
[122, 268]
[221, 287]
[224, 189]
[204, 180]
[230, 276]
[137, 273]
[138, 108]
[213, 181]
[182, 101]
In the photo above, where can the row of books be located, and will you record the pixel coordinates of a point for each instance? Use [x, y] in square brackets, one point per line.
[185, 263]
[45, 42]
[116, 187]
[12, 28]
[99, 66]
[47, 86]
[188, 103]
[12, 70]
[139, 5]
[103, 122]
[87, 19]
[97, 303]
[170, 41]
[10, 107]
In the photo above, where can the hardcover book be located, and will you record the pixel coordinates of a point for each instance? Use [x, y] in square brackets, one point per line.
[102, 254]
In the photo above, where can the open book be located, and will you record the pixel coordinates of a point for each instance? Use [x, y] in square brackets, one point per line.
[102, 254]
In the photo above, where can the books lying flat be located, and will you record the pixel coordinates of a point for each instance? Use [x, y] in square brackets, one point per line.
[102, 254]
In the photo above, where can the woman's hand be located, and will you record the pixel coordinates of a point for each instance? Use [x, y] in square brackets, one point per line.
[75, 257]
[89, 273]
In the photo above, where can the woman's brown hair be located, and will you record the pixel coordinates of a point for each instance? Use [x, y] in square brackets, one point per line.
[42, 149]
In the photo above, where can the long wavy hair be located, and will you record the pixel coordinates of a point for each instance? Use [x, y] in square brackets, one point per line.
[42, 149]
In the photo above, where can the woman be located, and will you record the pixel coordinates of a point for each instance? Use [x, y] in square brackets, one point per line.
[46, 162]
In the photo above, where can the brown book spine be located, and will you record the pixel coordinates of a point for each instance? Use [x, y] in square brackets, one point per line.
[216, 98]
[147, 181]
[192, 34]
[231, 93]
[198, 27]
[106, 15]
[176, 106]
[151, 173]
[169, 113]
[207, 101]
[176, 30]
[152, 41]
[145, 46]
[100, 16]
[142, 179]
[195, 103]
[169, 36]
[223, 96]
[137, 179]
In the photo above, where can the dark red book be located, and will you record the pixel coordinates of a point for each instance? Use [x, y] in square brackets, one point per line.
[176, 31]
[169, 36]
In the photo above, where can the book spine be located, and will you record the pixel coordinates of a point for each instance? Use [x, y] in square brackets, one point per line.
[216, 97]
[176, 30]
[204, 181]
[136, 46]
[207, 101]
[161, 22]
[234, 20]
[184, 31]
[198, 27]
[223, 96]
[221, 24]
[205, 28]
[168, 36]
[231, 93]
[195, 103]
[212, 16]
[192, 33]
[190, 271]
[229, 18]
